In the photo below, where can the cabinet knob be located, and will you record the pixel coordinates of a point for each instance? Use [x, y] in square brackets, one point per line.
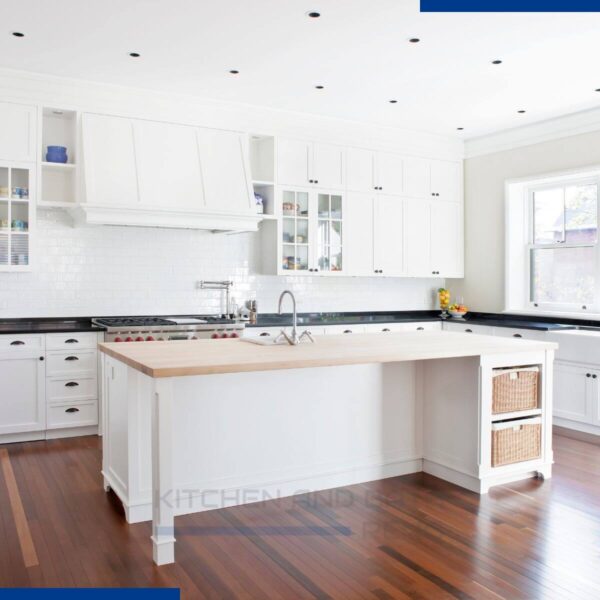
[594, 376]
[17, 343]
[310, 181]
[41, 358]
[588, 374]
[316, 181]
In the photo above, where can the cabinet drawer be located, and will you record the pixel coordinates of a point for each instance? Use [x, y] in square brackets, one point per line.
[18, 341]
[71, 363]
[71, 389]
[77, 414]
[71, 341]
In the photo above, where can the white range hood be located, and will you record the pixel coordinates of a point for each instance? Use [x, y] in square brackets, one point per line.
[155, 174]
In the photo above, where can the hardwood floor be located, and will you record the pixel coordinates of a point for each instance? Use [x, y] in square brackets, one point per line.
[406, 537]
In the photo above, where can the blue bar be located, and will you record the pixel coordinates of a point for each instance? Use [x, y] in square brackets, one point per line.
[510, 5]
[89, 593]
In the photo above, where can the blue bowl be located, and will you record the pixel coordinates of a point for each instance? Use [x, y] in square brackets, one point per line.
[56, 154]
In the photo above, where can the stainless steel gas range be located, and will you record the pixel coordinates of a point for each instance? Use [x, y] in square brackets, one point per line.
[150, 329]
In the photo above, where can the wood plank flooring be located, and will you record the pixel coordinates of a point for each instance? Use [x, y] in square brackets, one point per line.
[413, 537]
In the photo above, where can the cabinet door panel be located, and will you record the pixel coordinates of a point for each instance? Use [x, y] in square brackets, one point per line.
[358, 242]
[571, 392]
[417, 173]
[446, 180]
[168, 165]
[109, 156]
[389, 173]
[22, 402]
[17, 124]
[293, 162]
[388, 231]
[225, 172]
[359, 170]
[417, 238]
[328, 165]
[446, 239]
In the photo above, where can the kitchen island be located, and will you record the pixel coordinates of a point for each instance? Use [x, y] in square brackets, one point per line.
[205, 424]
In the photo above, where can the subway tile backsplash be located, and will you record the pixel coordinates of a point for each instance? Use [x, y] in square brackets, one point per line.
[80, 271]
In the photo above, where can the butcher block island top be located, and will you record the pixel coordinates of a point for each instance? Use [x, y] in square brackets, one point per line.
[206, 357]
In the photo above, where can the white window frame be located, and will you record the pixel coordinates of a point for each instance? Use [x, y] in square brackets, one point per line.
[519, 244]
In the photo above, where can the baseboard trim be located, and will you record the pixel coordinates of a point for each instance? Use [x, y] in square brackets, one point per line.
[54, 434]
[580, 436]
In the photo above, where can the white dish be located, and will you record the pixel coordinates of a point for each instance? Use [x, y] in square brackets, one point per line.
[457, 315]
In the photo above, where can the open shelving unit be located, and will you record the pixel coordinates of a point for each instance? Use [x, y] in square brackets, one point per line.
[59, 181]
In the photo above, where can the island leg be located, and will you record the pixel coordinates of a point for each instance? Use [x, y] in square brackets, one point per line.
[163, 527]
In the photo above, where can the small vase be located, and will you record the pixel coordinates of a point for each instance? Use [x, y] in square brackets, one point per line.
[56, 154]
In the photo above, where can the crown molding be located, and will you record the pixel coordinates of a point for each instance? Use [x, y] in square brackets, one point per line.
[553, 129]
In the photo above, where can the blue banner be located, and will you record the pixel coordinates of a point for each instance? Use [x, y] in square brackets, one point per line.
[89, 593]
[510, 5]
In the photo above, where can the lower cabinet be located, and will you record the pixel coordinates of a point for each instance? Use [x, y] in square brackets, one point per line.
[576, 393]
[23, 398]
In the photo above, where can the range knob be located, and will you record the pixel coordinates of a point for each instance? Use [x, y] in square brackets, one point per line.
[234, 335]
[129, 339]
[149, 339]
[139, 338]
[224, 335]
[214, 336]
[118, 339]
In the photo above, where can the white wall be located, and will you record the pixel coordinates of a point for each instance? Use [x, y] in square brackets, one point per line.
[485, 176]
[83, 271]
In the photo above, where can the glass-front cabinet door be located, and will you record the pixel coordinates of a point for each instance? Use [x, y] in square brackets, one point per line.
[295, 230]
[329, 228]
[15, 217]
[311, 231]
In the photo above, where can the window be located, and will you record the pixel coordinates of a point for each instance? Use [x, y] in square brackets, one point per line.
[553, 253]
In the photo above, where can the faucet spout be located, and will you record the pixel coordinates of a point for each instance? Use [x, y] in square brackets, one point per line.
[293, 339]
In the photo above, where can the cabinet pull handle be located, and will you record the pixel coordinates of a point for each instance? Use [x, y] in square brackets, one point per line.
[347, 330]
[468, 331]
[265, 333]
[71, 341]
[517, 335]
[71, 358]
[71, 384]
[385, 329]
[17, 343]
[72, 410]
[420, 328]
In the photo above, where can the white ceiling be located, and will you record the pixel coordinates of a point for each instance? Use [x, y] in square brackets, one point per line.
[358, 50]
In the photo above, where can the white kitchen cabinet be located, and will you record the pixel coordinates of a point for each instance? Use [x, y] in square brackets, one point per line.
[446, 180]
[23, 400]
[388, 250]
[360, 170]
[225, 172]
[514, 332]
[433, 238]
[18, 127]
[389, 173]
[168, 165]
[369, 171]
[109, 161]
[417, 177]
[466, 327]
[344, 329]
[302, 163]
[359, 234]
[576, 393]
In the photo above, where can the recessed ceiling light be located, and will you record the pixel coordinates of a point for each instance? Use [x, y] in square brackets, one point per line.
[313, 14]
[497, 62]
[521, 111]
[134, 54]
[319, 87]
[234, 72]
[393, 101]
[18, 34]
[414, 40]
[460, 128]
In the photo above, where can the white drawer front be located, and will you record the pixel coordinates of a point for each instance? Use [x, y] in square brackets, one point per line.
[82, 414]
[71, 341]
[18, 341]
[71, 389]
[71, 363]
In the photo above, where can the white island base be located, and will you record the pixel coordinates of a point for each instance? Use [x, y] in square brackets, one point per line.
[208, 441]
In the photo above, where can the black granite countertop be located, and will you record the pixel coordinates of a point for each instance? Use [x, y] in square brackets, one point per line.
[46, 325]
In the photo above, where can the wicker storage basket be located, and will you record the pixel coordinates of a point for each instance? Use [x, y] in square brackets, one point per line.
[515, 389]
[516, 441]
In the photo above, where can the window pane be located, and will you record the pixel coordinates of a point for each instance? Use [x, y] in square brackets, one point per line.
[581, 214]
[548, 216]
[563, 275]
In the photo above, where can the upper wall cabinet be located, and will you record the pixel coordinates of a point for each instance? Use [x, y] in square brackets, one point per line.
[171, 175]
[446, 180]
[369, 171]
[301, 163]
[17, 124]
